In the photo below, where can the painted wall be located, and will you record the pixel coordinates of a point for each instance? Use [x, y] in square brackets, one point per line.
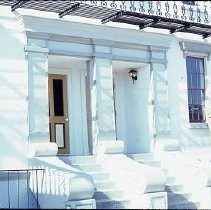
[195, 135]
[133, 123]
[13, 93]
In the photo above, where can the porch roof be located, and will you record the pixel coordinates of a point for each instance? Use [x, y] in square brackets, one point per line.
[106, 14]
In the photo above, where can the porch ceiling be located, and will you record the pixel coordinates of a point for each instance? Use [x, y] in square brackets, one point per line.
[80, 8]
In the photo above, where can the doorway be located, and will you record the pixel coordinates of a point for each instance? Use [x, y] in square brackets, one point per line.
[58, 112]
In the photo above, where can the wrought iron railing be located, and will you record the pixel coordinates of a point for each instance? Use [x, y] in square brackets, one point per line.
[17, 189]
[195, 11]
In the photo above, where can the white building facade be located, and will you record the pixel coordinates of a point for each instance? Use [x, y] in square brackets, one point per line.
[65, 80]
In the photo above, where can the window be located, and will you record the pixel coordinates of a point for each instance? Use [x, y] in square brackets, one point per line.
[196, 89]
[189, 2]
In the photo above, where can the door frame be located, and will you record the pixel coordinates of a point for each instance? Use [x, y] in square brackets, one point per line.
[53, 120]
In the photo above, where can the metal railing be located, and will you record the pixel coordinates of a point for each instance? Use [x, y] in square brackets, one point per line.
[195, 11]
[19, 189]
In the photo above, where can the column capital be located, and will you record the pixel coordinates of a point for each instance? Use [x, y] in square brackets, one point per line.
[29, 48]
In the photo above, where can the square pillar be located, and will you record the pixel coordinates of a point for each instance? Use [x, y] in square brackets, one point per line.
[100, 84]
[105, 99]
[38, 94]
[161, 104]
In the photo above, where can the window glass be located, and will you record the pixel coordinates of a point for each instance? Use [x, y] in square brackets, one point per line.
[58, 97]
[189, 2]
[196, 88]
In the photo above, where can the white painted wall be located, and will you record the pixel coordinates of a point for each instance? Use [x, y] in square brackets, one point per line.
[13, 93]
[133, 123]
[177, 82]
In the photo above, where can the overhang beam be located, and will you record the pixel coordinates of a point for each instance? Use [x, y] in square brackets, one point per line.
[113, 17]
[18, 5]
[206, 35]
[182, 28]
[69, 10]
[149, 24]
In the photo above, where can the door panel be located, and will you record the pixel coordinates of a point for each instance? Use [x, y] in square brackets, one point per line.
[58, 112]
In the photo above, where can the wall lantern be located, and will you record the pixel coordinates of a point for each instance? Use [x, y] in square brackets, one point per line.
[133, 74]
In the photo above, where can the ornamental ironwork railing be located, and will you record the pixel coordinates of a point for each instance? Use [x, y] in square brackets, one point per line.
[175, 16]
[194, 11]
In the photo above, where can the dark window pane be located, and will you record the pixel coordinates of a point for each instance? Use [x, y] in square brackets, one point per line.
[190, 97]
[201, 81]
[194, 96]
[196, 88]
[189, 2]
[58, 97]
[200, 65]
[194, 81]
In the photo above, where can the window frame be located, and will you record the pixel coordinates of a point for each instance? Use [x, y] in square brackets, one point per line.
[203, 104]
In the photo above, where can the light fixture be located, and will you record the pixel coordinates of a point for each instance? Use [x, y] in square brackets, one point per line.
[133, 74]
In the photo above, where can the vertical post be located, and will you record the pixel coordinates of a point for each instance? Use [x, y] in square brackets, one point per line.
[160, 95]
[102, 117]
[8, 182]
[18, 188]
[37, 187]
[105, 99]
[38, 94]
[162, 121]
[27, 179]
[92, 106]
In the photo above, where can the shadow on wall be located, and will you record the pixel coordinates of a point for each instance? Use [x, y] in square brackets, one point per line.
[13, 95]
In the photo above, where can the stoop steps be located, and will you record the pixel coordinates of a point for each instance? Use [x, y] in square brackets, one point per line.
[178, 197]
[107, 194]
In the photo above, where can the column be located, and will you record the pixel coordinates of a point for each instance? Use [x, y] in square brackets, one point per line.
[160, 85]
[105, 99]
[162, 122]
[100, 79]
[39, 137]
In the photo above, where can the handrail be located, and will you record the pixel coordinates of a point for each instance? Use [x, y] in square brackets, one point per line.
[13, 181]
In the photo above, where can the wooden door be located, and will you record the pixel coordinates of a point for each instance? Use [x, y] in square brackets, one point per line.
[58, 112]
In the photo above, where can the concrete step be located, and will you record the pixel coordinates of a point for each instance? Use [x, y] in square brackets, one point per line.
[113, 204]
[142, 156]
[89, 159]
[103, 185]
[108, 194]
[170, 180]
[89, 167]
[99, 176]
[174, 187]
[150, 162]
[166, 171]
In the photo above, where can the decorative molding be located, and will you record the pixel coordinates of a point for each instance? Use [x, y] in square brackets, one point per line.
[198, 126]
[28, 48]
[190, 47]
[93, 41]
